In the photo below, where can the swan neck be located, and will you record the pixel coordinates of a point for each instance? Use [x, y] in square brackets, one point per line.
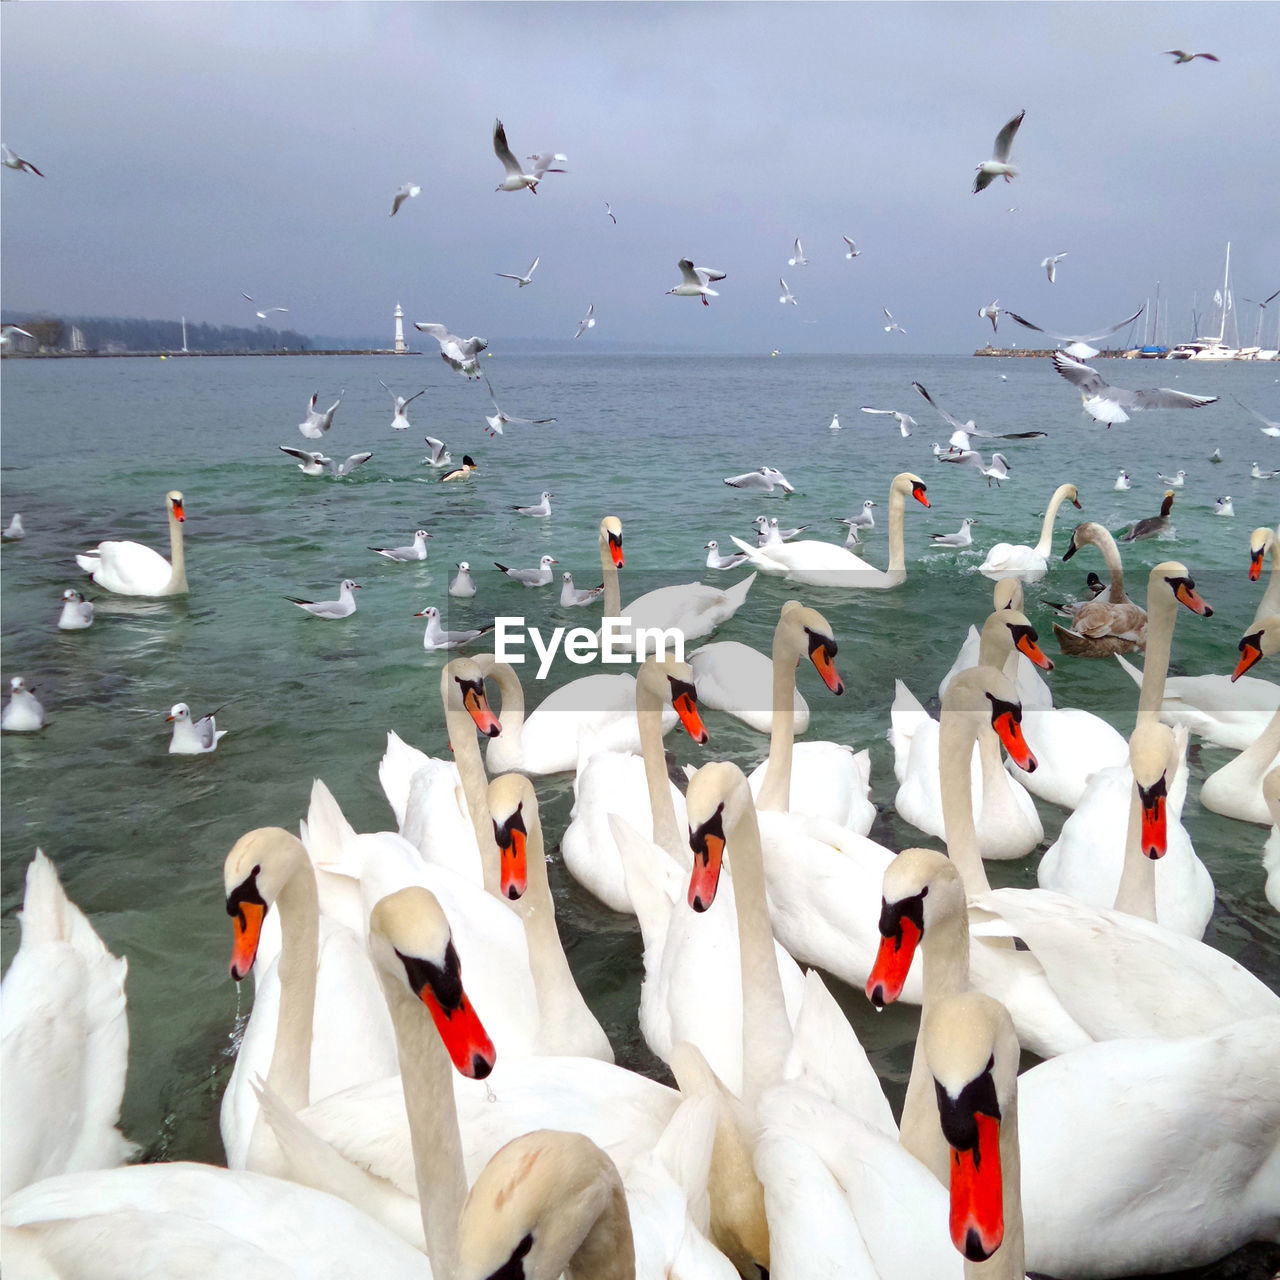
[1136, 894]
[1162, 613]
[1270, 602]
[897, 545]
[1045, 545]
[1111, 554]
[775, 792]
[511, 710]
[957, 733]
[666, 831]
[466, 754]
[612, 591]
[177, 557]
[607, 1251]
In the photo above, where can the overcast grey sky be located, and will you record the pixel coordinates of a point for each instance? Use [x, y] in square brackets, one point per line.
[195, 150]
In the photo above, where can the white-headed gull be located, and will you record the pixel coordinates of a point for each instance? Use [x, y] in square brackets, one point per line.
[23, 712]
[192, 737]
[523, 280]
[1107, 404]
[717, 561]
[905, 420]
[1257, 473]
[572, 597]
[417, 549]
[463, 472]
[14, 531]
[541, 508]
[517, 179]
[330, 610]
[588, 321]
[11, 160]
[1050, 265]
[538, 577]
[834, 424]
[439, 455]
[399, 420]
[1122, 481]
[854, 251]
[997, 469]
[963, 431]
[695, 282]
[797, 258]
[893, 326]
[766, 478]
[77, 612]
[1078, 342]
[608, 208]
[769, 531]
[436, 637]
[865, 519]
[998, 166]
[462, 584]
[458, 353]
[1216, 455]
[318, 422]
[961, 538]
[1223, 507]
[1181, 55]
[312, 463]
[786, 295]
[991, 312]
[547, 162]
[497, 419]
[1175, 481]
[406, 192]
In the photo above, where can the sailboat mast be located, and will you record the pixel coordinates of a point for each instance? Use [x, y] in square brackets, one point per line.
[1226, 275]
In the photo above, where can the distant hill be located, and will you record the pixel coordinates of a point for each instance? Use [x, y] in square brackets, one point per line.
[103, 333]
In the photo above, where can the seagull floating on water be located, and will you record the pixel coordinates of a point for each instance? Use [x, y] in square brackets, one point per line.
[318, 423]
[497, 419]
[1122, 481]
[854, 251]
[436, 637]
[316, 464]
[417, 550]
[998, 166]
[997, 469]
[905, 420]
[1108, 404]
[1223, 507]
[696, 281]
[399, 421]
[23, 712]
[893, 326]
[14, 532]
[766, 478]
[1079, 342]
[523, 280]
[1174, 481]
[458, 353]
[588, 321]
[797, 258]
[461, 473]
[572, 597]
[538, 577]
[786, 295]
[517, 179]
[991, 312]
[717, 561]
[961, 538]
[406, 192]
[1050, 266]
[834, 424]
[192, 737]
[769, 531]
[1181, 55]
[439, 455]
[1216, 455]
[540, 508]
[330, 610]
[77, 612]
[11, 160]
[865, 519]
[1257, 473]
[462, 584]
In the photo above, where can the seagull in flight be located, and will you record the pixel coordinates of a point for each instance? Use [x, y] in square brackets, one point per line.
[998, 166]
[316, 464]
[798, 259]
[11, 160]
[497, 420]
[893, 325]
[992, 312]
[764, 478]
[997, 470]
[854, 251]
[1050, 265]
[439, 455]
[1079, 342]
[458, 353]
[608, 208]
[399, 420]
[523, 280]
[318, 423]
[262, 315]
[517, 179]
[905, 420]
[406, 192]
[786, 295]
[1107, 404]
[1268, 428]
[1181, 55]
[962, 431]
[588, 321]
[696, 281]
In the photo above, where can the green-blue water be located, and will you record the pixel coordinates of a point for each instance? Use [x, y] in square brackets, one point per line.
[91, 446]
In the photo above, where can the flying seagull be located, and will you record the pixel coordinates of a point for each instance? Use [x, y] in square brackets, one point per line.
[961, 431]
[998, 166]
[854, 251]
[798, 259]
[406, 192]
[1050, 265]
[588, 321]
[695, 281]
[318, 423]
[497, 420]
[517, 179]
[1268, 427]
[439, 455]
[11, 160]
[1181, 55]
[523, 280]
[399, 420]
[905, 420]
[997, 470]
[458, 353]
[786, 295]
[316, 464]
[1107, 404]
[893, 324]
[608, 208]
[1079, 342]
[991, 312]
[262, 315]
[764, 478]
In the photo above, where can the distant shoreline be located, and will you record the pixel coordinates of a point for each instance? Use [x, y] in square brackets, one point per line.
[187, 355]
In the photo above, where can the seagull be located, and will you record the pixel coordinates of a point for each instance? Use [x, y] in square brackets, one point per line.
[1216, 455]
[497, 420]
[798, 259]
[717, 561]
[961, 538]
[1257, 473]
[402, 555]
[1181, 55]
[523, 280]
[609, 210]
[538, 577]
[540, 508]
[406, 192]
[11, 160]
[572, 597]
[1268, 428]
[77, 612]
[315, 464]
[1079, 342]
[865, 519]
[439, 455]
[834, 424]
[436, 637]
[1175, 481]
[782, 535]
[461, 473]
[854, 251]
[1122, 481]
[1050, 265]
[764, 478]
[893, 325]
[695, 281]
[991, 312]
[1223, 507]
[398, 420]
[318, 423]
[962, 431]
[1107, 404]
[997, 470]
[193, 737]
[517, 179]
[8, 331]
[462, 585]
[905, 420]
[546, 162]
[458, 353]
[343, 607]
[15, 532]
[23, 712]
[786, 295]
[998, 166]
[588, 321]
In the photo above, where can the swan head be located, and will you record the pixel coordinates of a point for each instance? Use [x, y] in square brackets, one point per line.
[717, 800]
[920, 886]
[907, 482]
[972, 1054]
[1175, 576]
[173, 500]
[1009, 629]
[611, 539]
[1260, 541]
[670, 680]
[1083, 534]
[1008, 594]
[254, 875]
[1153, 757]
[987, 696]
[809, 632]
[539, 1207]
[412, 945]
[1253, 647]
[513, 805]
[462, 689]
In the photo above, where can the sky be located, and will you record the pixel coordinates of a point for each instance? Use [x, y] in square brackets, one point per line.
[193, 151]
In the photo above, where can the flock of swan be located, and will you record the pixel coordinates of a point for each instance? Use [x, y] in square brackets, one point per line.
[422, 1090]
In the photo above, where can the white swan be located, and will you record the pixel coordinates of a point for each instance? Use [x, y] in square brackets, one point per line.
[1029, 563]
[64, 1042]
[1271, 850]
[1235, 790]
[731, 677]
[823, 564]
[1261, 541]
[131, 569]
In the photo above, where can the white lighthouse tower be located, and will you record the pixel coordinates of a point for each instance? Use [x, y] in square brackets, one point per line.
[401, 347]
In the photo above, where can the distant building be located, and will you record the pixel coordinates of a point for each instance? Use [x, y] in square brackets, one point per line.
[401, 346]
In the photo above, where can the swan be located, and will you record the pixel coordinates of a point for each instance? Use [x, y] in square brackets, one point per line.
[130, 569]
[692, 608]
[1029, 563]
[1261, 541]
[823, 564]
[1271, 850]
[1007, 822]
[730, 676]
[1101, 627]
[64, 1042]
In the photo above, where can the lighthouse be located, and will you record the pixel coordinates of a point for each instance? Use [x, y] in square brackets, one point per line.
[401, 348]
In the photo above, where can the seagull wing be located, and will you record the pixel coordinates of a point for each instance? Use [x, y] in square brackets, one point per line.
[866, 408]
[437, 447]
[437, 331]
[1076, 337]
[688, 274]
[1163, 398]
[708, 275]
[503, 151]
[356, 459]
[982, 181]
[533, 266]
[413, 397]
[1081, 375]
[954, 423]
[1004, 139]
[303, 455]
